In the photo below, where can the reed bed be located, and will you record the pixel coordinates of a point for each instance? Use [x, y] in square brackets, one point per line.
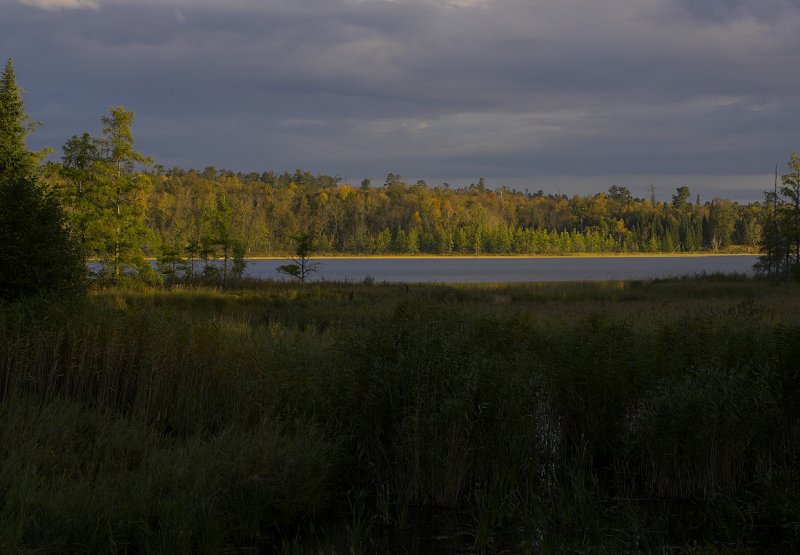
[591, 417]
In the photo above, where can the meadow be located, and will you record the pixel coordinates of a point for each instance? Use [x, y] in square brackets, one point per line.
[596, 417]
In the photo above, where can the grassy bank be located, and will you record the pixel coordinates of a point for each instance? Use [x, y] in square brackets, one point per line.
[598, 417]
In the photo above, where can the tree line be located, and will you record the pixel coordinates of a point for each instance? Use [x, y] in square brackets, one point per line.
[188, 217]
[399, 217]
[121, 208]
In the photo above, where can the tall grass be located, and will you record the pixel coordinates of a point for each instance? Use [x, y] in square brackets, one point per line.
[524, 417]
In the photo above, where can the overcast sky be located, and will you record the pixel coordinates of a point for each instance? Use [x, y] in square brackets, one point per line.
[568, 96]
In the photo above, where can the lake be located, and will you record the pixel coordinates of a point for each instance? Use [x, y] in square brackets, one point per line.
[496, 269]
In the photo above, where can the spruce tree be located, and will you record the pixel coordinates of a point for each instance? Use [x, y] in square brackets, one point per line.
[36, 251]
[16, 161]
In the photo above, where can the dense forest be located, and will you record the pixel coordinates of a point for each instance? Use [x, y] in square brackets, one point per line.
[210, 210]
[124, 207]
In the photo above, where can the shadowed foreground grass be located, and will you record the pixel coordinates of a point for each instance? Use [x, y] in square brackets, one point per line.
[592, 417]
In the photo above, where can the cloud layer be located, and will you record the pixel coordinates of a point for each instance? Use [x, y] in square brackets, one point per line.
[63, 4]
[455, 89]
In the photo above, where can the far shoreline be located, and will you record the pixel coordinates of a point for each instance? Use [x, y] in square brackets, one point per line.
[501, 256]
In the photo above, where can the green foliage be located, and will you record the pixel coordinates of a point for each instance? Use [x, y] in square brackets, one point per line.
[16, 161]
[789, 212]
[780, 242]
[681, 197]
[171, 265]
[120, 194]
[620, 194]
[302, 265]
[266, 213]
[292, 270]
[37, 253]
[106, 197]
[80, 153]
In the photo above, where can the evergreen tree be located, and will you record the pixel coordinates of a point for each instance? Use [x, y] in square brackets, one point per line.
[774, 249]
[119, 194]
[16, 161]
[36, 251]
[221, 229]
[80, 153]
[301, 265]
[265, 215]
[789, 211]
[680, 198]
[780, 241]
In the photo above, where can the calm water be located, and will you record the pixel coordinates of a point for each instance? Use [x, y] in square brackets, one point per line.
[512, 269]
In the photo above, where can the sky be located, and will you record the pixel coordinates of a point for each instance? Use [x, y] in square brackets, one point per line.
[567, 96]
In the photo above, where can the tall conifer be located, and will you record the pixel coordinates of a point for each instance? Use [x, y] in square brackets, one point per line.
[16, 161]
[120, 193]
[36, 252]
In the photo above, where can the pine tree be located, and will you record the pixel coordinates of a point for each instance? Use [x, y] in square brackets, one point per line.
[789, 211]
[36, 251]
[16, 161]
[774, 249]
[119, 194]
[80, 153]
[780, 243]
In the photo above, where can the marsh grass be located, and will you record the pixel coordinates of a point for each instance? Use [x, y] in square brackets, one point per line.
[618, 416]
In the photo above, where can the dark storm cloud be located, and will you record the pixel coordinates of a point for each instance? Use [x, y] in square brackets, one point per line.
[504, 88]
[725, 10]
